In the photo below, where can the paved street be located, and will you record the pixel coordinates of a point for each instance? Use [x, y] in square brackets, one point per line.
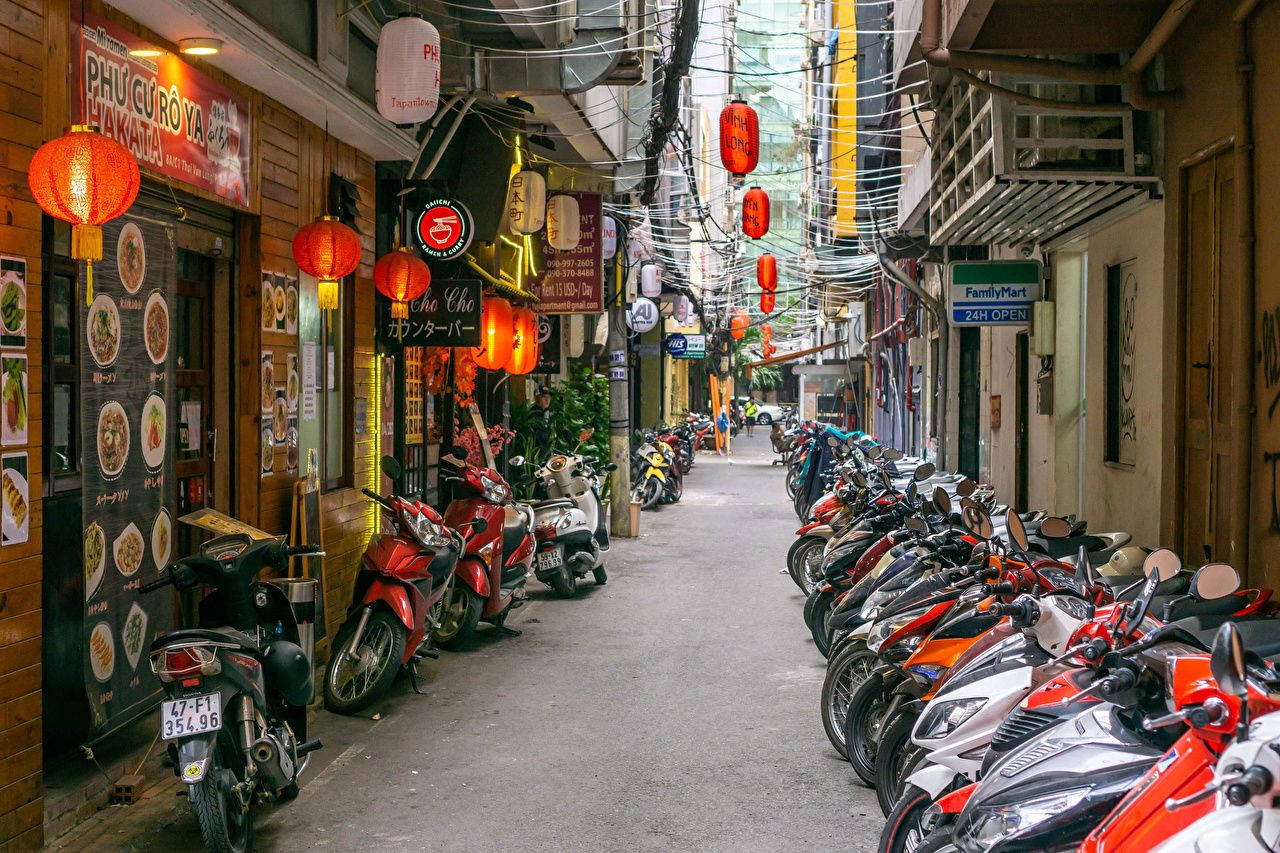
[674, 709]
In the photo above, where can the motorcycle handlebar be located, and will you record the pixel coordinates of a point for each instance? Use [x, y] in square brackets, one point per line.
[1254, 781]
[152, 586]
[1095, 649]
[372, 495]
[1118, 681]
[303, 550]
[1002, 588]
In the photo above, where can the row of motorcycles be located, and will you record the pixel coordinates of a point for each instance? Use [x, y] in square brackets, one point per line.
[1014, 682]
[662, 458]
[237, 684]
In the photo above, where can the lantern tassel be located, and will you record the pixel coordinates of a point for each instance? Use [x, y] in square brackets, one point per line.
[327, 295]
[88, 283]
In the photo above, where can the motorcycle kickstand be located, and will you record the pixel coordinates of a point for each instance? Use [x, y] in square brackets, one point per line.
[508, 632]
[413, 677]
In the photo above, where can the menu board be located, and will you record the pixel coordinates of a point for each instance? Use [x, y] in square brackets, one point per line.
[573, 279]
[127, 384]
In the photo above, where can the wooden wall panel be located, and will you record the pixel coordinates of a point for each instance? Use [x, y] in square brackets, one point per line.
[23, 128]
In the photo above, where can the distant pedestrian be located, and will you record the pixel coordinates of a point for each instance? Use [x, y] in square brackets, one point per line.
[752, 409]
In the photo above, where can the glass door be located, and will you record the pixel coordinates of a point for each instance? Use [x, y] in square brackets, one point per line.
[196, 441]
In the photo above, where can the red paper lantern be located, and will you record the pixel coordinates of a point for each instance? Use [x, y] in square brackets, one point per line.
[402, 277]
[524, 343]
[328, 251]
[496, 333]
[84, 178]
[738, 325]
[767, 272]
[755, 213]
[767, 302]
[739, 138]
[766, 332]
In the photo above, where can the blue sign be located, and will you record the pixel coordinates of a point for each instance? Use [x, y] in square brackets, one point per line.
[678, 345]
[994, 293]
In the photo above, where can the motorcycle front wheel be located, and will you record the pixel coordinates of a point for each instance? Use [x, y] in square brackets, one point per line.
[805, 550]
[650, 493]
[895, 757]
[460, 618]
[846, 672]
[863, 721]
[224, 826]
[355, 677]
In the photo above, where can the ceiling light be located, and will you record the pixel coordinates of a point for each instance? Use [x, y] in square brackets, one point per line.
[200, 46]
[147, 52]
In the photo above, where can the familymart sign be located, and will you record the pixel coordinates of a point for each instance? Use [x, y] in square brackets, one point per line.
[994, 293]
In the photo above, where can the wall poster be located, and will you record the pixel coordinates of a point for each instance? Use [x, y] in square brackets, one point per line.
[13, 302]
[128, 463]
[17, 498]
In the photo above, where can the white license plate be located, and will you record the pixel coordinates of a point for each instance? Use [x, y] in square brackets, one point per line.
[190, 716]
[550, 559]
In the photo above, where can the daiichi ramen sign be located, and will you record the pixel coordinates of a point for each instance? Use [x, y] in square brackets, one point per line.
[174, 119]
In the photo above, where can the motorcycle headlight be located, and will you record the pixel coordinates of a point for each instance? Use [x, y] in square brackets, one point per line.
[886, 628]
[993, 823]
[493, 490]
[941, 719]
[427, 532]
[871, 606]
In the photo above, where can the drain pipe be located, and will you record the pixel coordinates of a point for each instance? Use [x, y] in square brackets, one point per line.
[1246, 223]
[939, 312]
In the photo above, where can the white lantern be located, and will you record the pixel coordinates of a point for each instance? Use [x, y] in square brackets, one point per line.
[642, 315]
[408, 70]
[608, 237]
[682, 309]
[651, 280]
[564, 223]
[527, 202]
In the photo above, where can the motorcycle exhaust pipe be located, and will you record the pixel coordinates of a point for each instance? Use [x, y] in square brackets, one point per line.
[266, 755]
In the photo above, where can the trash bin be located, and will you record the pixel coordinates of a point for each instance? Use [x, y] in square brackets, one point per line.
[301, 593]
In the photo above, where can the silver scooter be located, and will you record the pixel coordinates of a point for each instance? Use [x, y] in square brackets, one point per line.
[570, 529]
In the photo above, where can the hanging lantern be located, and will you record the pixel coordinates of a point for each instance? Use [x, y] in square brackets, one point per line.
[608, 237]
[767, 302]
[527, 202]
[564, 223]
[408, 70]
[84, 178]
[402, 277]
[328, 251]
[767, 272]
[651, 281]
[524, 342]
[739, 138]
[682, 309]
[496, 331]
[766, 333]
[755, 213]
[738, 325]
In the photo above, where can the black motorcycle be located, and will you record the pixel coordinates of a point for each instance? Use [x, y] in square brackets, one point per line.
[238, 687]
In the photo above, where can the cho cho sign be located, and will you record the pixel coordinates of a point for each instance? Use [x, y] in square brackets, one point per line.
[175, 120]
[572, 279]
[447, 315]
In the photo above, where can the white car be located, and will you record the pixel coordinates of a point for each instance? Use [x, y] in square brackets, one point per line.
[767, 414]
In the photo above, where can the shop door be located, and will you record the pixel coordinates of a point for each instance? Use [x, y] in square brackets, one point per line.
[197, 441]
[1212, 288]
[970, 380]
[1023, 415]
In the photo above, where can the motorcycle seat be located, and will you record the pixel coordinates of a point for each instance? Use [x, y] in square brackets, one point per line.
[215, 635]
[551, 503]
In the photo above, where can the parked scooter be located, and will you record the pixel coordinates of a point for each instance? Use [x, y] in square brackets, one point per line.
[238, 685]
[399, 596]
[569, 525]
[493, 570]
[651, 474]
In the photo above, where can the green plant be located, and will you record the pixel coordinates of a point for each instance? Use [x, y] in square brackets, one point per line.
[580, 402]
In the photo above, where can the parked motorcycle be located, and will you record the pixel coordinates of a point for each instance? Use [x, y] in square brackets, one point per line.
[238, 685]
[652, 475]
[493, 570]
[569, 525]
[399, 597]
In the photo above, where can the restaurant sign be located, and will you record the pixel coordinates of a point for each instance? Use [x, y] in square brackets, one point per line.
[572, 279]
[447, 315]
[174, 119]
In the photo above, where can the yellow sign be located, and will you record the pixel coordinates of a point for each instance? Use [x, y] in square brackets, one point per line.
[217, 522]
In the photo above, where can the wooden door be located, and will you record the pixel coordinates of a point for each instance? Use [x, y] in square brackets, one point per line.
[196, 445]
[1211, 286]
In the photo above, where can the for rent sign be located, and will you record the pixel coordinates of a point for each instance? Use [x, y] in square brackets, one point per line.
[174, 119]
[994, 293]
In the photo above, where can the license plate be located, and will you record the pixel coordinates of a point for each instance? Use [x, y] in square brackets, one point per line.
[191, 715]
[550, 559]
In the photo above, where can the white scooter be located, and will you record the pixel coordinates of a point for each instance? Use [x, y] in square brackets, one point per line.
[570, 528]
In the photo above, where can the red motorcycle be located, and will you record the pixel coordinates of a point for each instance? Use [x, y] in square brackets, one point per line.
[493, 570]
[405, 576]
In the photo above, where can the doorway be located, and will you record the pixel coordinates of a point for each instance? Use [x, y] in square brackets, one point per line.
[1211, 288]
[1022, 415]
[970, 379]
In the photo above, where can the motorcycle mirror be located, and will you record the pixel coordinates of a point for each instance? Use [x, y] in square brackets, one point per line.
[1215, 580]
[976, 521]
[966, 487]
[892, 454]
[1084, 571]
[858, 479]
[850, 442]
[941, 500]
[965, 503]
[1163, 563]
[458, 452]
[517, 461]
[479, 525]
[1054, 527]
[924, 472]
[1017, 530]
[915, 525]
[911, 492]
[884, 478]
[874, 451]
[927, 508]
[831, 441]
[1226, 661]
[391, 467]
